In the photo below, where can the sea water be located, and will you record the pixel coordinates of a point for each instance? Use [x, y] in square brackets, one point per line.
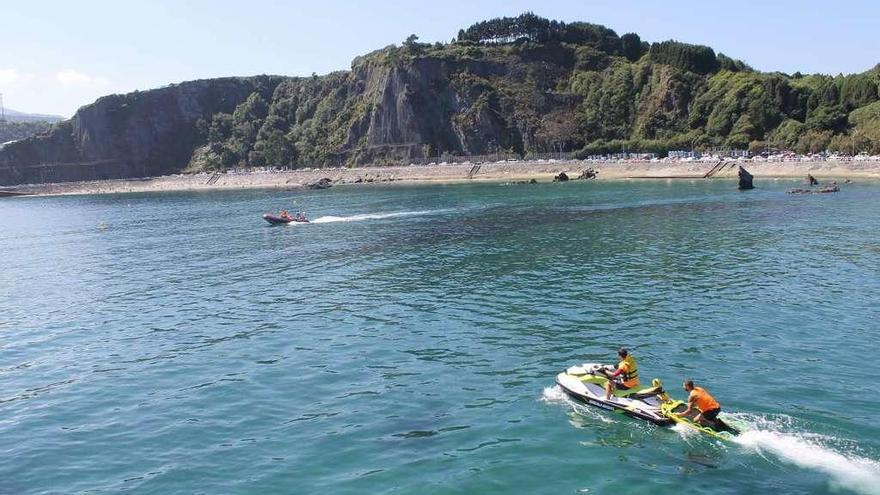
[407, 340]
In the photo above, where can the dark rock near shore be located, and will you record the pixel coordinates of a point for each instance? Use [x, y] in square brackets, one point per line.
[833, 188]
[587, 174]
[562, 177]
[745, 179]
[324, 183]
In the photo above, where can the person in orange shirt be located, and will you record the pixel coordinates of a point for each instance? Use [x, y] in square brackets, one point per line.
[704, 402]
[625, 377]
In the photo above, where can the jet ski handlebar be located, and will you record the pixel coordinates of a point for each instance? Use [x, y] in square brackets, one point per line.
[602, 369]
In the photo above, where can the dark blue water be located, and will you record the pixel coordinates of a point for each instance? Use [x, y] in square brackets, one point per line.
[408, 340]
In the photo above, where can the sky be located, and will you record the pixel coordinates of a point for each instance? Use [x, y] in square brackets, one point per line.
[56, 56]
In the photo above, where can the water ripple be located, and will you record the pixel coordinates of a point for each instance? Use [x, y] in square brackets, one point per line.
[191, 348]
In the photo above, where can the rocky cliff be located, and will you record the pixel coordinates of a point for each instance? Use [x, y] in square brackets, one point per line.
[134, 135]
[517, 85]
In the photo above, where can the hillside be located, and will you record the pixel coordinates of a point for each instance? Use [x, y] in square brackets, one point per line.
[522, 84]
[12, 131]
[17, 125]
[15, 116]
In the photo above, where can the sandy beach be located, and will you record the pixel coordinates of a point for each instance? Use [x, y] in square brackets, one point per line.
[501, 171]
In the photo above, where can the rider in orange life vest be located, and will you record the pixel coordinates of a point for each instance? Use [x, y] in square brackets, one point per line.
[627, 371]
[704, 402]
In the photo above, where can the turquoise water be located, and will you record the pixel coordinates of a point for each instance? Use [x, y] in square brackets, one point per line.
[408, 340]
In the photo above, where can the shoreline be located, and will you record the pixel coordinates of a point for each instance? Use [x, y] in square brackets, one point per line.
[541, 171]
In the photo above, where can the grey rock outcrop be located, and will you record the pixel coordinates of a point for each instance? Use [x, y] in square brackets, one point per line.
[587, 174]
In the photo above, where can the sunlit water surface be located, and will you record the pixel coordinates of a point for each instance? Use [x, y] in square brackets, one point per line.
[407, 340]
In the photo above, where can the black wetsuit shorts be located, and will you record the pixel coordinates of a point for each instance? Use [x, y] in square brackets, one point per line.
[712, 414]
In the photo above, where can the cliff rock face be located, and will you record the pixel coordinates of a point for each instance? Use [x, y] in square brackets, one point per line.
[409, 110]
[135, 135]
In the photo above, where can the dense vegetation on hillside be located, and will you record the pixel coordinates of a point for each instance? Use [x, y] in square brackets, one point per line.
[11, 131]
[531, 84]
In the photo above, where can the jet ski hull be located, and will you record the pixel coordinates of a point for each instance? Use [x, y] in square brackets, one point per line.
[590, 389]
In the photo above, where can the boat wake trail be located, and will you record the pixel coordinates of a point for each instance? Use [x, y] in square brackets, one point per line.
[373, 216]
[817, 452]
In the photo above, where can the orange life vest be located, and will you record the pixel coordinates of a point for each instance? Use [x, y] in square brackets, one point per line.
[630, 373]
[703, 400]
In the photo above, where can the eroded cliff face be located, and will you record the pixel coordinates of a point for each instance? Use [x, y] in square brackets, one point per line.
[135, 135]
[433, 105]
[424, 108]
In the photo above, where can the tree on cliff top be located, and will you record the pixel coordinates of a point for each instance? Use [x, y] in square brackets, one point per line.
[540, 30]
[693, 58]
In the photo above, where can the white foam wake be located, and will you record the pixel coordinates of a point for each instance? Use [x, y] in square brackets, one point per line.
[555, 395]
[847, 470]
[836, 458]
[371, 216]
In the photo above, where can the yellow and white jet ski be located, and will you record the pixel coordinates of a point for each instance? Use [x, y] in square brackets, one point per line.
[586, 383]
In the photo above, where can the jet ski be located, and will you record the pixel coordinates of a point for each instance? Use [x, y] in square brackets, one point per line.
[586, 383]
[275, 220]
[724, 430]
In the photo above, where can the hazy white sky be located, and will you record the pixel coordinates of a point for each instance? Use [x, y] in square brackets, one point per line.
[59, 55]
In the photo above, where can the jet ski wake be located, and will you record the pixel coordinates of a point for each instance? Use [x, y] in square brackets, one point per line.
[585, 384]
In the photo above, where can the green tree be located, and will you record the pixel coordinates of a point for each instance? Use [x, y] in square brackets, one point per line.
[694, 58]
[220, 128]
[276, 149]
[631, 46]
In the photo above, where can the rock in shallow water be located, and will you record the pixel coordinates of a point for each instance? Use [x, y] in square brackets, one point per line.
[587, 174]
[745, 179]
[829, 189]
[324, 183]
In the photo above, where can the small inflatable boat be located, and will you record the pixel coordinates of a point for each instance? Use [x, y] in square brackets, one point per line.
[275, 219]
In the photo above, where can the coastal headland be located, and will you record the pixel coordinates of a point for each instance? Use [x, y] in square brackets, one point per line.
[524, 86]
[541, 171]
